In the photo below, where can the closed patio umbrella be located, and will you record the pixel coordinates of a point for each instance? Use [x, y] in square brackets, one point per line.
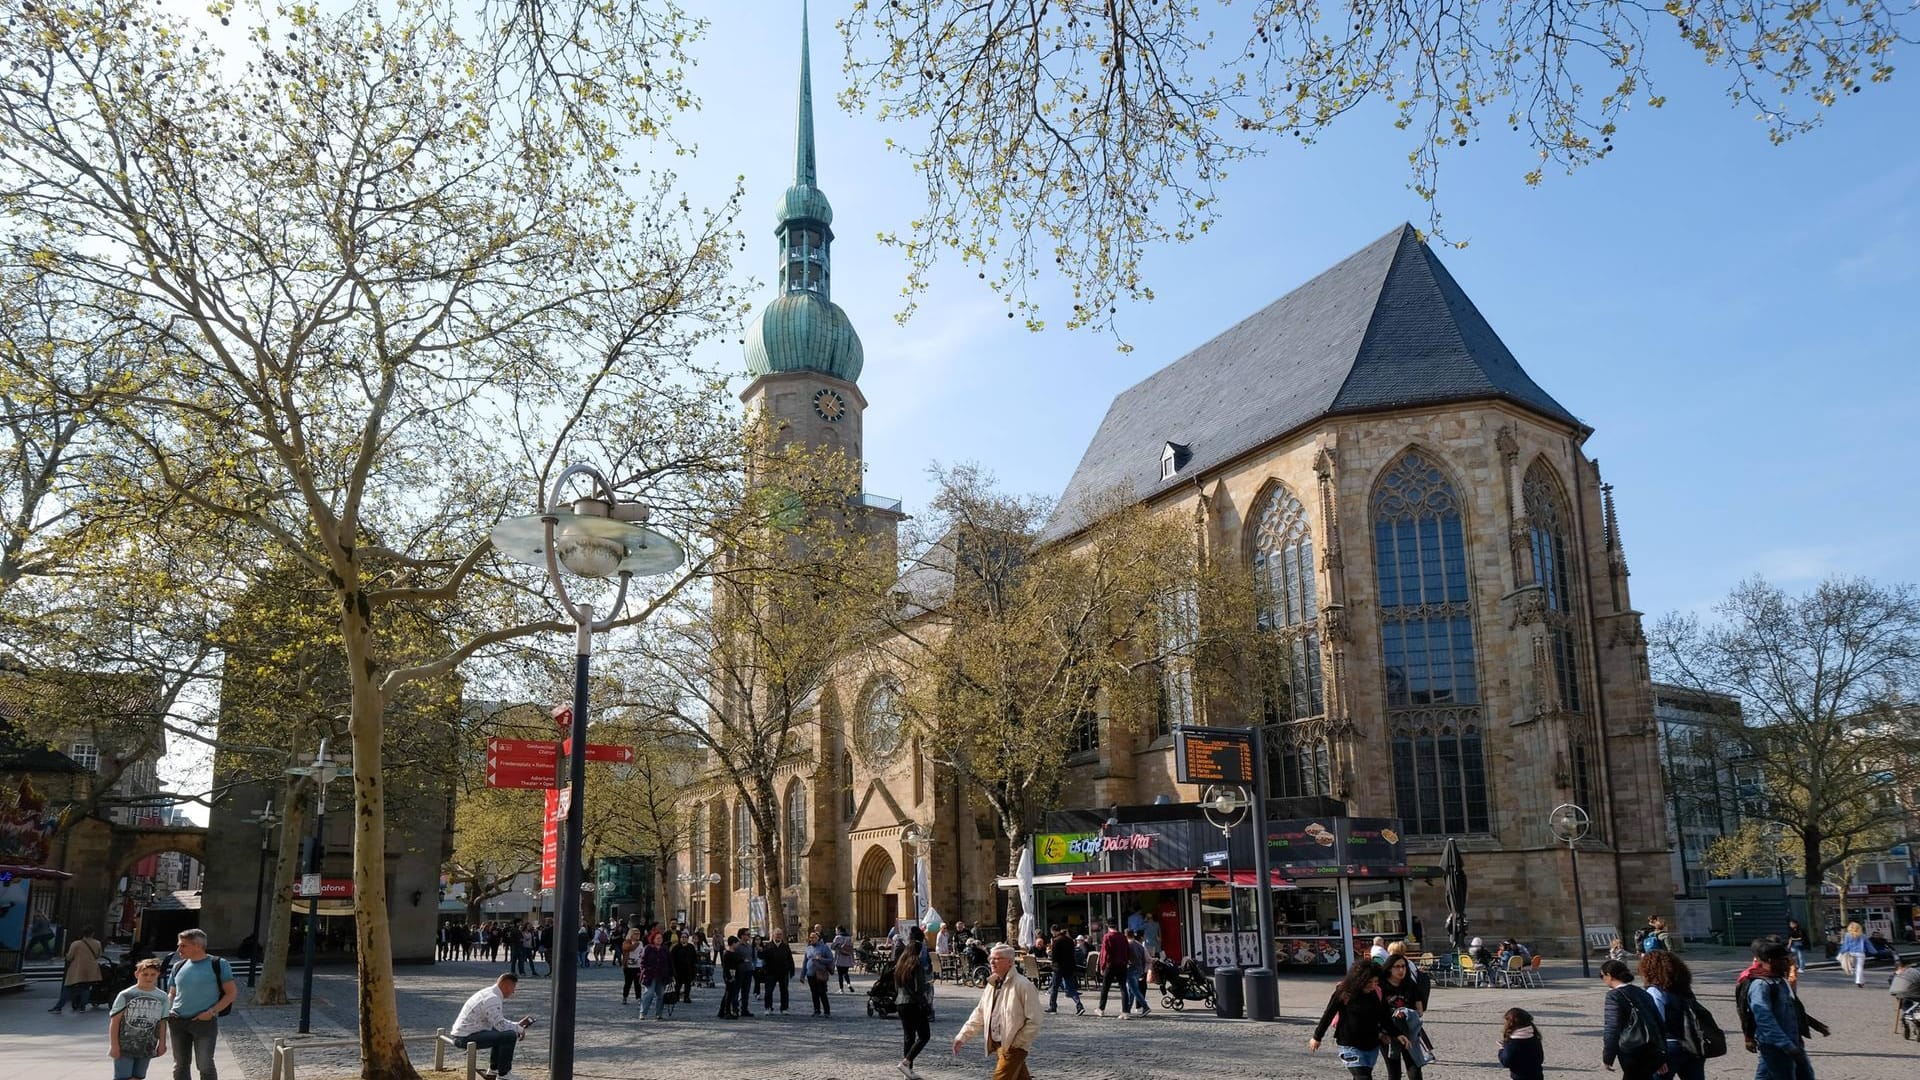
[1455, 871]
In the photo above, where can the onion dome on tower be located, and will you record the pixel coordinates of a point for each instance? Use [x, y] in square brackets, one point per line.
[802, 329]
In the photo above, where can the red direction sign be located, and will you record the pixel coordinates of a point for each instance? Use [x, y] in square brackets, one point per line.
[608, 752]
[521, 763]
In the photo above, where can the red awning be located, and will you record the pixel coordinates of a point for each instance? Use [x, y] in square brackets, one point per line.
[47, 873]
[1244, 879]
[1131, 881]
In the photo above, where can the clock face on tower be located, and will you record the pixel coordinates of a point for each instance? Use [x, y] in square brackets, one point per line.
[830, 405]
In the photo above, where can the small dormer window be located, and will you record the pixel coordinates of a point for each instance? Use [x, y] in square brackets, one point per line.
[1173, 459]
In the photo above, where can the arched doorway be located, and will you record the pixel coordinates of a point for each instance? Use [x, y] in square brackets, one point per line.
[875, 904]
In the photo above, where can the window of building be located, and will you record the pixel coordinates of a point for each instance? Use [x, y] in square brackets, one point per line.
[1549, 546]
[1086, 732]
[1173, 458]
[85, 754]
[1294, 696]
[1179, 634]
[697, 841]
[743, 845]
[806, 260]
[796, 831]
[1427, 649]
[846, 785]
[882, 724]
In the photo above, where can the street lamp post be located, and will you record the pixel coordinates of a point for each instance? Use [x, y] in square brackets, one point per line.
[322, 774]
[1569, 823]
[266, 819]
[596, 537]
[687, 882]
[749, 867]
[1223, 807]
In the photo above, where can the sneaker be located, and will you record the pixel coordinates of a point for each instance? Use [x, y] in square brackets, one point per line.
[1050, 1010]
[1079, 1010]
[905, 1069]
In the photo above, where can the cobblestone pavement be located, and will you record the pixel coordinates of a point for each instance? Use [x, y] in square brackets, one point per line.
[1465, 1023]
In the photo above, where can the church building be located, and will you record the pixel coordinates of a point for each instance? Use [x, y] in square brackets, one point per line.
[1445, 566]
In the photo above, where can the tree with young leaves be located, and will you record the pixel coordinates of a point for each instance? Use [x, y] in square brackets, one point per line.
[382, 288]
[732, 671]
[1823, 680]
[1010, 649]
[1071, 136]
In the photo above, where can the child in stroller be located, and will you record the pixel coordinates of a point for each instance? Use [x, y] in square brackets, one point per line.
[1179, 985]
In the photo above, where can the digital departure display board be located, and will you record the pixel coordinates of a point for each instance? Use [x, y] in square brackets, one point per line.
[1214, 756]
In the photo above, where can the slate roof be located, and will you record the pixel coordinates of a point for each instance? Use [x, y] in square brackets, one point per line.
[1387, 327]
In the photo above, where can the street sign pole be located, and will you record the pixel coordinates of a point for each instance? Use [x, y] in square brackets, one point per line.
[319, 843]
[566, 930]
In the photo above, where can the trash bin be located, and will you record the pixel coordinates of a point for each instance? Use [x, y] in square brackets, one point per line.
[1262, 990]
[1228, 993]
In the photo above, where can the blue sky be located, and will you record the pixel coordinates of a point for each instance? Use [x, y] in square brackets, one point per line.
[1736, 320]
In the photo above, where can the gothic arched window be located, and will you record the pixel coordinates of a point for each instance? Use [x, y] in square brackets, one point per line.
[743, 842]
[796, 830]
[1427, 649]
[1283, 573]
[882, 723]
[1551, 551]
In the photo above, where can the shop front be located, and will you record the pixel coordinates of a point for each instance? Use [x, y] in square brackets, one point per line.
[1336, 883]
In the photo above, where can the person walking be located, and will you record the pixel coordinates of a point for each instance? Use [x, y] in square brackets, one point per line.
[1115, 956]
[776, 969]
[913, 1000]
[843, 956]
[83, 970]
[1405, 992]
[483, 1022]
[1520, 1049]
[743, 948]
[631, 948]
[136, 1030]
[1852, 956]
[1777, 1033]
[1008, 1013]
[817, 966]
[1625, 1004]
[654, 971]
[1670, 985]
[1066, 971]
[1137, 970]
[1358, 1016]
[202, 988]
[731, 975]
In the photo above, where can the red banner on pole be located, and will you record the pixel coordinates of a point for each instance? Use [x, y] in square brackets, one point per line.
[608, 752]
[550, 843]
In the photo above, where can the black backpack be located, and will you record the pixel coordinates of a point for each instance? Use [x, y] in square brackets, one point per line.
[1642, 1046]
[1700, 1033]
[222, 974]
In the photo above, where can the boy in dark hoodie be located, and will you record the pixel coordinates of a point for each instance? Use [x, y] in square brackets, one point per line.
[1520, 1049]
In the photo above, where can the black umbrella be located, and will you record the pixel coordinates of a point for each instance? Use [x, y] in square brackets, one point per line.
[1456, 875]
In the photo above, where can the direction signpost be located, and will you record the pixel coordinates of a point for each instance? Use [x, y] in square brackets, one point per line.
[533, 763]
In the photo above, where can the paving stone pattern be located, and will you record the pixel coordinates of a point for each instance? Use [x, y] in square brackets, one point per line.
[612, 1044]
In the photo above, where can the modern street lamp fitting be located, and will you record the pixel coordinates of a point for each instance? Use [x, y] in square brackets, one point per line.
[595, 537]
[267, 820]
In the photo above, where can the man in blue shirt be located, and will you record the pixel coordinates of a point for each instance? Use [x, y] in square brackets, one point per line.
[202, 987]
[1776, 1019]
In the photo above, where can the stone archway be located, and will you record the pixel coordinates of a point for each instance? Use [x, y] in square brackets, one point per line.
[875, 903]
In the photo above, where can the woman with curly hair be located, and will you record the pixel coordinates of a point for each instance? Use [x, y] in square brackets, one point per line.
[1670, 985]
[1359, 1016]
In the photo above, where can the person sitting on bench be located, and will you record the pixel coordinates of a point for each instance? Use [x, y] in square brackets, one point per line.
[483, 1022]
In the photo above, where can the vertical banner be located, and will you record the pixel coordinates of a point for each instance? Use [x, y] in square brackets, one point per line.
[550, 843]
[921, 894]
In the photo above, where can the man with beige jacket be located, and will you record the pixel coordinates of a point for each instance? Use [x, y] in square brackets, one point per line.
[1009, 1014]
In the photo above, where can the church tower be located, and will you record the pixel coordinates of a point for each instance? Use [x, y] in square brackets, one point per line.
[801, 350]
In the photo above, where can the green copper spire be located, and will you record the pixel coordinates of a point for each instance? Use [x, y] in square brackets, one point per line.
[802, 329]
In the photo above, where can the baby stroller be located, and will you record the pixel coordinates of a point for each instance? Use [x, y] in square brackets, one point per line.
[1179, 985]
[880, 997]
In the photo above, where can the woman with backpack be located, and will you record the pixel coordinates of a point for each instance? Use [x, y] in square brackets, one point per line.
[1634, 1034]
[1670, 985]
[1359, 1018]
[912, 995]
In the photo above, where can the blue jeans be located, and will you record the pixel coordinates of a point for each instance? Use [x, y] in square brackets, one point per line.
[1780, 1065]
[655, 993]
[130, 1068]
[1682, 1065]
[1067, 983]
[76, 994]
[1136, 981]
